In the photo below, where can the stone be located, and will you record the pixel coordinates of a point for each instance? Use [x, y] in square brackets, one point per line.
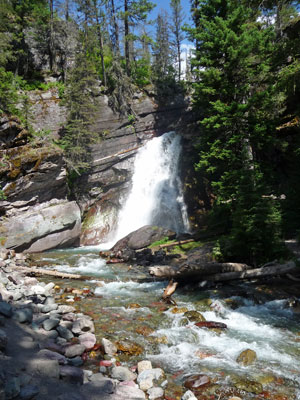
[123, 374]
[29, 392]
[75, 362]
[12, 388]
[74, 350]
[49, 307]
[130, 348]
[44, 367]
[82, 325]
[246, 357]
[50, 324]
[49, 226]
[143, 366]
[52, 346]
[146, 384]
[61, 341]
[71, 396]
[64, 309]
[23, 315]
[197, 381]
[248, 386]
[71, 374]
[128, 392]
[154, 374]
[52, 355]
[64, 332]
[109, 347]
[155, 393]
[194, 316]
[189, 395]
[88, 340]
[3, 340]
[6, 309]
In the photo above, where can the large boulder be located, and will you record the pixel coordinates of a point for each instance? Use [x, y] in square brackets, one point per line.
[143, 237]
[125, 248]
[49, 225]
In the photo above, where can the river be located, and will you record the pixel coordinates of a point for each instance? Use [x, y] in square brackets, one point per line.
[258, 317]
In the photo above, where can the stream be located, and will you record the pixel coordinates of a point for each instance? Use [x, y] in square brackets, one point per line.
[258, 317]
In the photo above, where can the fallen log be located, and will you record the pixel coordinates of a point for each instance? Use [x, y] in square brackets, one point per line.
[180, 242]
[57, 274]
[282, 269]
[194, 270]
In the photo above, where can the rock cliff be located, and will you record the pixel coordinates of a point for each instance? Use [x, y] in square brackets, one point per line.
[36, 211]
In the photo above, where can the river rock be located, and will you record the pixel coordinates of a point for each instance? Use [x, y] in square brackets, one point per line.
[197, 382]
[194, 316]
[88, 340]
[68, 310]
[12, 388]
[128, 392]
[155, 393]
[143, 366]
[109, 347]
[44, 367]
[64, 332]
[74, 350]
[28, 392]
[6, 309]
[146, 384]
[50, 324]
[248, 386]
[3, 340]
[71, 374]
[123, 374]
[23, 315]
[52, 355]
[49, 307]
[154, 374]
[82, 325]
[246, 357]
[189, 395]
[75, 361]
[129, 347]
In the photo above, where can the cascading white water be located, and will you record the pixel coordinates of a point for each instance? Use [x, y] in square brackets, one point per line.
[156, 196]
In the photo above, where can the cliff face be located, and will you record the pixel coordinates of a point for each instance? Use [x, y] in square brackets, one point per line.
[36, 213]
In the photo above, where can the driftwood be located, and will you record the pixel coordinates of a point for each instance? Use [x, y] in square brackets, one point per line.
[193, 269]
[208, 272]
[211, 325]
[180, 242]
[169, 290]
[40, 271]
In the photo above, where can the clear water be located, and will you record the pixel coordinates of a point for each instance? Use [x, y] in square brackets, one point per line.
[256, 320]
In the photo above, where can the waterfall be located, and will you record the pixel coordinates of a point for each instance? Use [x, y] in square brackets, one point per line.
[156, 196]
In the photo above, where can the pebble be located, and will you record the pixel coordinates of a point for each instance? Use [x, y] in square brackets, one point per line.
[28, 392]
[71, 374]
[3, 340]
[12, 388]
[52, 355]
[64, 332]
[74, 350]
[82, 325]
[109, 347]
[155, 393]
[49, 307]
[88, 340]
[189, 395]
[122, 374]
[50, 324]
[6, 309]
[144, 365]
[23, 315]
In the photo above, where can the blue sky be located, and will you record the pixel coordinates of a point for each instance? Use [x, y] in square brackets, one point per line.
[165, 5]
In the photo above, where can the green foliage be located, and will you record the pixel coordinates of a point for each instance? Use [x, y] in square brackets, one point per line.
[8, 92]
[164, 240]
[2, 195]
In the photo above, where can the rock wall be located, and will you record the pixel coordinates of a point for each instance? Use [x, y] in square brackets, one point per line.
[36, 213]
[102, 190]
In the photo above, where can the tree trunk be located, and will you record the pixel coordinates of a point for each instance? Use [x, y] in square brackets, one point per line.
[51, 38]
[100, 38]
[126, 27]
[40, 271]
[116, 29]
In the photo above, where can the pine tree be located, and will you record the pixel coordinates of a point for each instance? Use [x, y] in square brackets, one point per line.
[236, 102]
[177, 23]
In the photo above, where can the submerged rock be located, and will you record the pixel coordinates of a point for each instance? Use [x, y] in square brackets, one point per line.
[197, 382]
[194, 316]
[246, 357]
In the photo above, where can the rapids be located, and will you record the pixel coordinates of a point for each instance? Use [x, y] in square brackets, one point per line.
[255, 318]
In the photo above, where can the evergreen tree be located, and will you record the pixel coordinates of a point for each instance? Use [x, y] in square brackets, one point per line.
[237, 105]
[78, 135]
[177, 23]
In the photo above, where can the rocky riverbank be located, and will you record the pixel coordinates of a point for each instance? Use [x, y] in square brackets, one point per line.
[44, 346]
